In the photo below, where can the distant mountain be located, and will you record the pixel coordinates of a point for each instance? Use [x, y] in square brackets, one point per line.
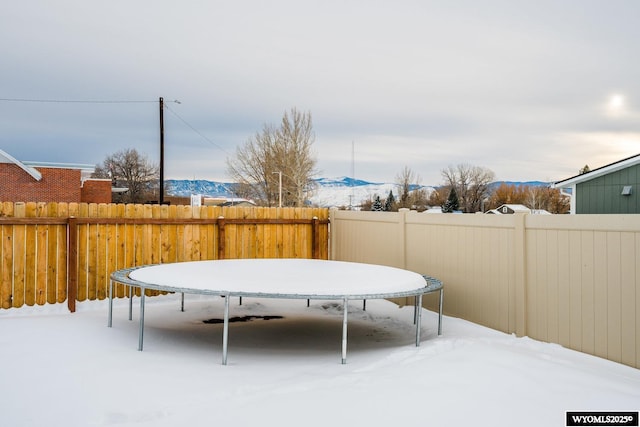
[497, 184]
[345, 191]
[187, 187]
[343, 181]
[341, 191]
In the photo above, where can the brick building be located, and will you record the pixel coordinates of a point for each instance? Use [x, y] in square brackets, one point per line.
[50, 182]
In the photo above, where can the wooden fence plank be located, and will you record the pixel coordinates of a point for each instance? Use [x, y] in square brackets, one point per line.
[111, 245]
[270, 237]
[6, 256]
[172, 237]
[231, 233]
[260, 241]
[62, 255]
[205, 234]
[155, 246]
[6, 268]
[196, 251]
[129, 242]
[164, 238]
[51, 258]
[42, 232]
[94, 251]
[188, 235]
[31, 247]
[19, 256]
[102, 239]
[119, 235]
[180, 246]
[81, 260]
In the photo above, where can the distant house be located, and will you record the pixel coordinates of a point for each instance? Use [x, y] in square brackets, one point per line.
[611, 189]
[510, 209]
[22, 181]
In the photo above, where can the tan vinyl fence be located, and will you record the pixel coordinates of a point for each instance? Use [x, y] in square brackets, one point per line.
[56, 252]
[573, 280]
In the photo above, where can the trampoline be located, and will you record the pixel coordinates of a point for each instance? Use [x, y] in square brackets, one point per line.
[278, 278]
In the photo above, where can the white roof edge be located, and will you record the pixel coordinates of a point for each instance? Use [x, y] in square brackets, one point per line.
[613, 167]
[31, 171]
[81, 166]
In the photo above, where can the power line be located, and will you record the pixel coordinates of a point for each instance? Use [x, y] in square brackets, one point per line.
[79, 101]
[74, 101]
[195, 130]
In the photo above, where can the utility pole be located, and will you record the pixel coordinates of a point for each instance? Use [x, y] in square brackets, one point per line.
[161, 198]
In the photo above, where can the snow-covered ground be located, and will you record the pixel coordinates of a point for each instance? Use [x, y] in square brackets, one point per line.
[62, 369]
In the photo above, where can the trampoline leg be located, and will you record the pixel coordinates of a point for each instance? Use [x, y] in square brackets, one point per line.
[308, 301]
[225, 330]
[418, 318]
[182, 302]
[364, 305]
[141, 328]
[110, 322]
[440, 312]
[240, 303]
[344, 331]
[130, 302]
[415, 309]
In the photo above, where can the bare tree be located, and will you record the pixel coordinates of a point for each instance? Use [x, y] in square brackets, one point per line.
[295, 159]
[411, 195]
[252, 165]
[549, 199]
[438, 197]
[132, 170]
[404, 180]
[277, 155]
[533, 197]
[507, 194]
[471, 184]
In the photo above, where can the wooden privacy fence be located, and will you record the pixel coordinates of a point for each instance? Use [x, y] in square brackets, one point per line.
[52, 252]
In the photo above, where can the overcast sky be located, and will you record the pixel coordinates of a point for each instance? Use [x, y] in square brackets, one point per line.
[532, 90]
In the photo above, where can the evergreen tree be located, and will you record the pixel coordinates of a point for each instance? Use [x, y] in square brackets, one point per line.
[377, 205]
[452, 204]
[390, 202]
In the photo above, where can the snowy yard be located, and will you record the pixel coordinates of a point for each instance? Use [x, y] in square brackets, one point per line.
[62, 369]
